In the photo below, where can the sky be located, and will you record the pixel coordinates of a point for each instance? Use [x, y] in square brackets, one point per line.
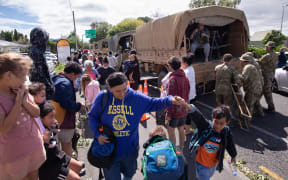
[55, 16]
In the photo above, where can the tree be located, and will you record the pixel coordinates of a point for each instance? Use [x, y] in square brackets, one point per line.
[145, 19]
[102, 29]
[6, 35]
[125, 25]
[15, 35]
[52, 45]
[71, 39]
[275, 36]
[201, 3]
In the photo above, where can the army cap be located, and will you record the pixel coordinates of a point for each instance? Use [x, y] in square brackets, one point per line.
[246, 57]
[270, 44]
[249, 54]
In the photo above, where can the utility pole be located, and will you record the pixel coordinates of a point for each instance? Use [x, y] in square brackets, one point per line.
[82, 41]
[75, 32]
[283, 7]
[76, 45]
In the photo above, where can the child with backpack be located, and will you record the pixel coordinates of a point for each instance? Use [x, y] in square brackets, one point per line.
[58, 165]
[210, 140]
[160, 159]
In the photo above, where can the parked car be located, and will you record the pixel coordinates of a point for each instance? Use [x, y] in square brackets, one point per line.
[51, 57]
[280, 82]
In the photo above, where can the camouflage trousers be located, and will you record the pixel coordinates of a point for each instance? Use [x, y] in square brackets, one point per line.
[224, 99]
[253, 100]
[267, 90]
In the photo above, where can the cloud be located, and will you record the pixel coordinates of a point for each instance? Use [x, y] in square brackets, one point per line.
[92, 7]
[87, 20]
[55, 16]
[264, 15]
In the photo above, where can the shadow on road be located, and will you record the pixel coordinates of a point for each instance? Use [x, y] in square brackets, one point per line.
[255, 140]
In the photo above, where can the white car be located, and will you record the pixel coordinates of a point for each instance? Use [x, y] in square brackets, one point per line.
[280, 83]
[51, 57]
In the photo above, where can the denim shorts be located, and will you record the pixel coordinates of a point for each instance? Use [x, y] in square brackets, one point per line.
[126, 166]
[203, 172]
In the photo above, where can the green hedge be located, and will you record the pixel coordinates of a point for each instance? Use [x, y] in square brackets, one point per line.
[59, 67]
[258, 52]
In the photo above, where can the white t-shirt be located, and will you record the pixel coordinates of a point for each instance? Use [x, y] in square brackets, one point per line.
[165, 82]
[189, 71]
[112, 61]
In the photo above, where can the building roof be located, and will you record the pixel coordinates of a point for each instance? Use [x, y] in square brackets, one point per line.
[259, 36]
[11, 44]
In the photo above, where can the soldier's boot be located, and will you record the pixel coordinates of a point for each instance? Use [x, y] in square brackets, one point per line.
[269, 100]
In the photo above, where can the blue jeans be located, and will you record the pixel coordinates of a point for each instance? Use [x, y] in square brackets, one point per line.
[126, 166]
[205, 46]
[203, 172]
[78, 82]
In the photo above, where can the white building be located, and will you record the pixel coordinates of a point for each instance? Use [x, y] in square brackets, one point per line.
[6, 46]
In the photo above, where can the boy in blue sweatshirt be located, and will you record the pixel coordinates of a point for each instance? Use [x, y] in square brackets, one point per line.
[122, 114]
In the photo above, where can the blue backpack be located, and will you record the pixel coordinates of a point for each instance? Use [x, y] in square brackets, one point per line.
[161, 161]
[199, 138]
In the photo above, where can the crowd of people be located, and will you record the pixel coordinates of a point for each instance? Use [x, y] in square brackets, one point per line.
[35, 127]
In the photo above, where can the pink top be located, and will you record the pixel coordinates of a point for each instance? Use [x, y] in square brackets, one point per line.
[92, 75]
[23, 139]
[91, 91]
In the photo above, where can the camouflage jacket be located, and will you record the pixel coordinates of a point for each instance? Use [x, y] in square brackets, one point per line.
[225, 76]
[268, 63]
[256, 64]
[251, 80]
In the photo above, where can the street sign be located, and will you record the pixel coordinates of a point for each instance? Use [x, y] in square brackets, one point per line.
[90, 33]
[63, 50]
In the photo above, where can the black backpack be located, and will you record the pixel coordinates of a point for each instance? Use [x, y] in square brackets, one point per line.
[103, 162]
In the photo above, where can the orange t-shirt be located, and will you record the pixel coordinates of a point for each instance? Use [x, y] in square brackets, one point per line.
[207, 154]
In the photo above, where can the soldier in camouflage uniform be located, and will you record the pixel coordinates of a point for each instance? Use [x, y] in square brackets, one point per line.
[225, 76]
[251, 81]
[258, 106]
[268, 65]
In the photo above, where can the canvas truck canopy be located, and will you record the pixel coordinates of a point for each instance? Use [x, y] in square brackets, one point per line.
[113, 42]
[168, 32]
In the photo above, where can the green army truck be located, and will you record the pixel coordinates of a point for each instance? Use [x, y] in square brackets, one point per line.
[162, 38]
[121, 41]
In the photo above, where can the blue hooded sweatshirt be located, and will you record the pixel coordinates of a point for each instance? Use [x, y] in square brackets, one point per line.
[65, 96]
[123, 117]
